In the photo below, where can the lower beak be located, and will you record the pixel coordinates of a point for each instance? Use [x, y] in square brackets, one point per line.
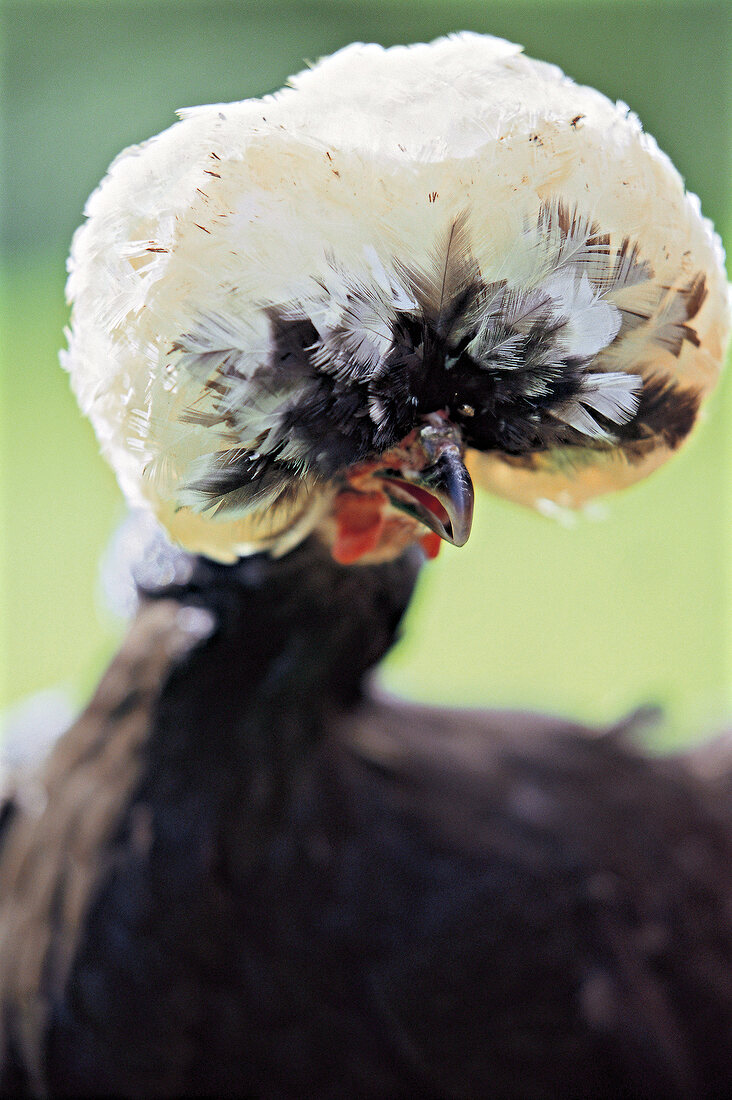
[440, 495]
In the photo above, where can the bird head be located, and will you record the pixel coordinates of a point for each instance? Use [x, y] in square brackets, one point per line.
[324, 310]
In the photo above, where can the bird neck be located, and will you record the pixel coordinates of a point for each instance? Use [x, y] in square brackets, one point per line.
[302, 622]
[292, 641]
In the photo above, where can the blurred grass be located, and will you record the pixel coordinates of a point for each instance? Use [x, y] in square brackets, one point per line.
[61, 500]
[590, 621]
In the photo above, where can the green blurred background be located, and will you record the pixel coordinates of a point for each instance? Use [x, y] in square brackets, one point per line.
[588, 621]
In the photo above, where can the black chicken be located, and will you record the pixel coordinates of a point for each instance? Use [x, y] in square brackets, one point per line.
[251, 880]
[239, 873]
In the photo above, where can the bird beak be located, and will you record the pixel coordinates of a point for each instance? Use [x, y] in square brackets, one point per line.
[440, 495]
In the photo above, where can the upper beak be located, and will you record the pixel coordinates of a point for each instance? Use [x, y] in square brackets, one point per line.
[440, 495]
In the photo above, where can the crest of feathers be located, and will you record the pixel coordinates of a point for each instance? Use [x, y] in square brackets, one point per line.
[297, 290]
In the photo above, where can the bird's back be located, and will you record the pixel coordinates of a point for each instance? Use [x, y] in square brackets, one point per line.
[248, 881]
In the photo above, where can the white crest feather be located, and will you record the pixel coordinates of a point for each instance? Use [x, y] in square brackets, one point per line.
[330, 208]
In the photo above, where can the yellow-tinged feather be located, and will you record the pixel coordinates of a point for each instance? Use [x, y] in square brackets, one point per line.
[363, 163]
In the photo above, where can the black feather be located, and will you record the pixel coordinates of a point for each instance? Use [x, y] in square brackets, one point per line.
[440, 336]
[251, 880]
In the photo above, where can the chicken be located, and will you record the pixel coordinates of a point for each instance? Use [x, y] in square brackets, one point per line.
[298, 323]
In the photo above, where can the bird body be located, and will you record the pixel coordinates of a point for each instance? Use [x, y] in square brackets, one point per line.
[297, 322]
[251, 879]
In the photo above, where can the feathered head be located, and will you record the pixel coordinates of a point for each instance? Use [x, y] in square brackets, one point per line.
[309, 311]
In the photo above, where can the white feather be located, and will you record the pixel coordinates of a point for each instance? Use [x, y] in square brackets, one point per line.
[362, 165]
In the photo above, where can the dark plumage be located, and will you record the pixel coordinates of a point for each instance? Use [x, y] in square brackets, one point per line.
[502, 350]
[251, 879]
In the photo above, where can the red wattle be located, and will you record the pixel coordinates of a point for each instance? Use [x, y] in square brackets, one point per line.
[431, 544]
[359, 522]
